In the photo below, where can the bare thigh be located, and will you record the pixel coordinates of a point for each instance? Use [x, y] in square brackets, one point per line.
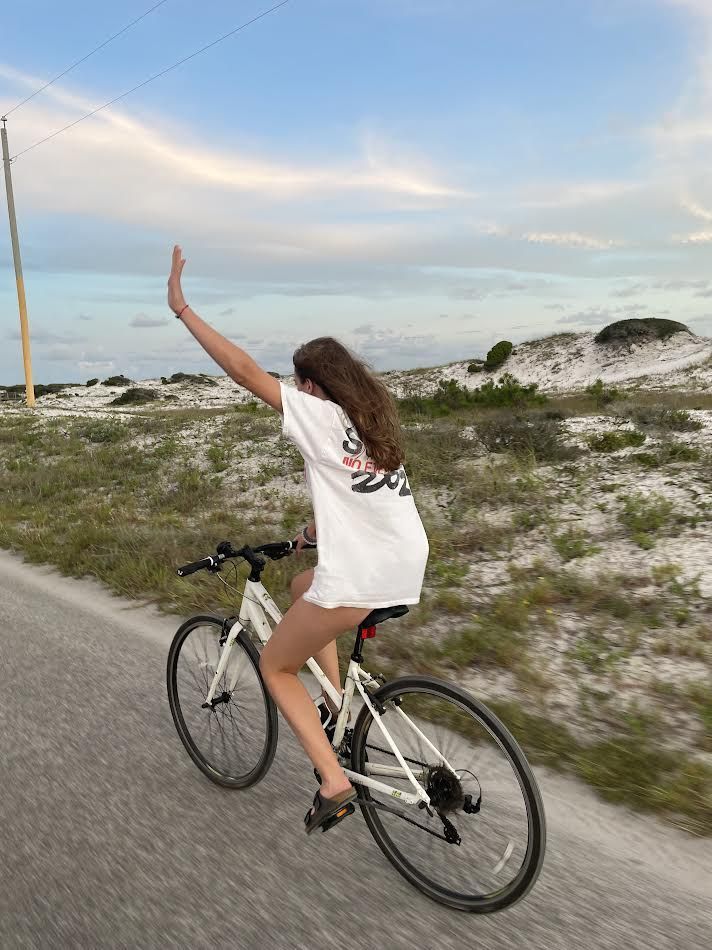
[303, 631]
[301, 583]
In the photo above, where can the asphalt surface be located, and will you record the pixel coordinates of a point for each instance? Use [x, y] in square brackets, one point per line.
[111, 838]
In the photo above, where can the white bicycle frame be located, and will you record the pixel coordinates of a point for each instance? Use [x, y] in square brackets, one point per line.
[257, 606]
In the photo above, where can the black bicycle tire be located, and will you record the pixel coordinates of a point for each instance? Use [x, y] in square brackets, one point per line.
[531, 867]
[260, 770]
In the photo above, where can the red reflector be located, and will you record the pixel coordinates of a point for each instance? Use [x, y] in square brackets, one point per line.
[368, 632]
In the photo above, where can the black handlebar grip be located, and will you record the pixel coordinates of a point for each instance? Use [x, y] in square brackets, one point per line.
[195, 566]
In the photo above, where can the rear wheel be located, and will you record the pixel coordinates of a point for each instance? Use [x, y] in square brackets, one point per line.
[233, 742]
[481, 845]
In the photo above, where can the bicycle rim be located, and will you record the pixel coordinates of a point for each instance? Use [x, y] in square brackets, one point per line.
[501, 835]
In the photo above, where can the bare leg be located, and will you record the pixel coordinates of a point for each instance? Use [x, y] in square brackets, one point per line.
[304, 630]
[327, 658]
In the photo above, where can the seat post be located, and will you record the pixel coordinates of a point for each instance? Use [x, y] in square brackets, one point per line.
[357, 655]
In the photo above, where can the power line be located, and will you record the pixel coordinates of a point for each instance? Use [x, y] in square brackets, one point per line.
[151, 79]
[84, 58]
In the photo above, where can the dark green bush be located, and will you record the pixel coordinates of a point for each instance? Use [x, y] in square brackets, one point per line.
[134, 396]
[498, 354]
[646, 459]
[451, 396]
[92, 382]
[508, 392]
[603, 395]
[526, 434]
[116, 381]
[640, 330]
[476, 366]
[663, 417]
[50, 388]
[200, 379]
[40, 389]
[679, 452]
[613, 441]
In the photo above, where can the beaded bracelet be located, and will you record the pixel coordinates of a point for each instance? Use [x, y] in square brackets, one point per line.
[178, 315]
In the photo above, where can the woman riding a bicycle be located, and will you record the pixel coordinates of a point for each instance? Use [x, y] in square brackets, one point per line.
[372, 545]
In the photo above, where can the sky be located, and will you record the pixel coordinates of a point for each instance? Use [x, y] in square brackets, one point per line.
[419, 178]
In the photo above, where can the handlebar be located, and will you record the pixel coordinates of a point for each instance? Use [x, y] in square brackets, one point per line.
[274, 551]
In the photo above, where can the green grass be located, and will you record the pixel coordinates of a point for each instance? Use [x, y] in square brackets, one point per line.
[434, 454]
[645, 517]
[498, 483]
[573, 543]
[630, 769]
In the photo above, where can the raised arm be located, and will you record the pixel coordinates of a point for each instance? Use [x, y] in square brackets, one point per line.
[238, 364]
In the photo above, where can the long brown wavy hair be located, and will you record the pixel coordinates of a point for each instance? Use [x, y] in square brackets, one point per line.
[367, 402]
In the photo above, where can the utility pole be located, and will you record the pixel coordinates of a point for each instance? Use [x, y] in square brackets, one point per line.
[24, 329]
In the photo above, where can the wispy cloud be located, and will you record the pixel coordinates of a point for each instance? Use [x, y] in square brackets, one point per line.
[113, 131]
[572, 239]
[44, 337]
[143, 320]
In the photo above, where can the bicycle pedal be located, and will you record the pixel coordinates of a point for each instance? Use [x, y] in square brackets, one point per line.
[348, 809]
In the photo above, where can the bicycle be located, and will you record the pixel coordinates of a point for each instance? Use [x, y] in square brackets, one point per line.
[435, 799]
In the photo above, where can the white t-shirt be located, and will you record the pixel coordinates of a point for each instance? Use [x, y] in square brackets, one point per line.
[372, 544]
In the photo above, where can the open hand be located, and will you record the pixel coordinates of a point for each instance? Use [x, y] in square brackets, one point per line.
[176, 300]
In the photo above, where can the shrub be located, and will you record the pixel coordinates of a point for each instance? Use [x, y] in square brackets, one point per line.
[451, 396]
[640, 330]
[134, 396]
[102, 430]
[646, 459]
[603, 396]
[644, 516]
[476, 366]
[663, 417]
[529, 434]
[573, 543]
[498, 354]
[432, 454]
[679, 452]
[200, 379]
[51, 388]
[614, 441]
[40, 389]
[669, 454]
[116, 381]
[507, 392]
[92, 382]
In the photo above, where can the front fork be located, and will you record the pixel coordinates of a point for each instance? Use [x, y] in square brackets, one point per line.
[227, 642]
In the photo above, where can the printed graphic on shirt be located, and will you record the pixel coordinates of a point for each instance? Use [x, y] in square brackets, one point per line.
[368, 478]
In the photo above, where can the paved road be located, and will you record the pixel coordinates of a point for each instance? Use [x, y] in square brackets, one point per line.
[110, 838]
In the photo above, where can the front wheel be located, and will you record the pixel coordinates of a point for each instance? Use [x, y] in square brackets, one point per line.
[233, 742]
[480, 846]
